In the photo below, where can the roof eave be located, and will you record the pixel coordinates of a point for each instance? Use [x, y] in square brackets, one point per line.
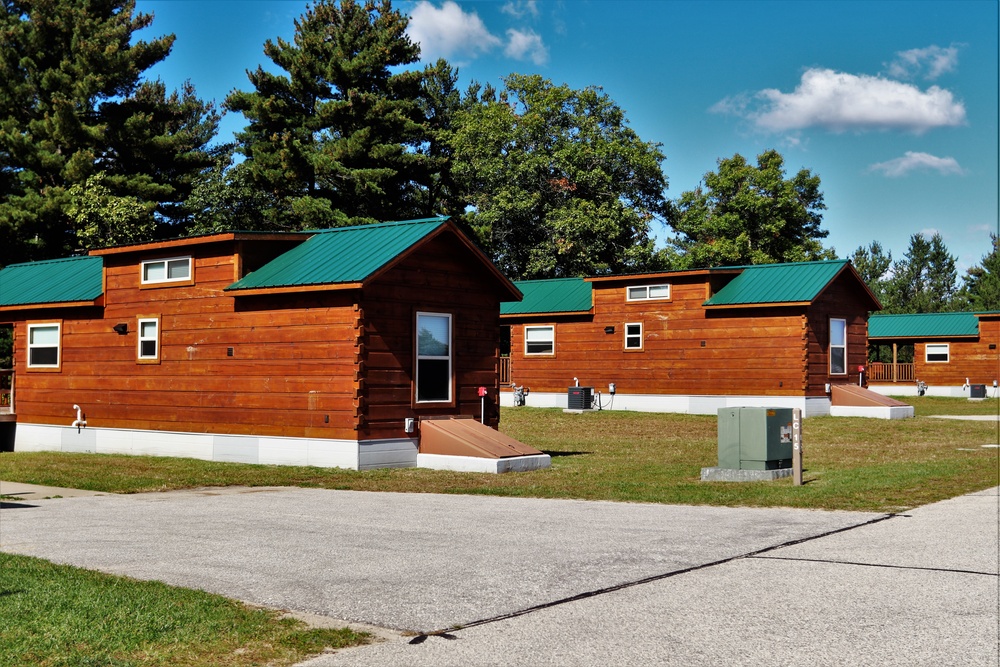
[291, 289]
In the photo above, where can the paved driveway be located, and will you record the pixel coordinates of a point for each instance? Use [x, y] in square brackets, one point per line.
[554, 582]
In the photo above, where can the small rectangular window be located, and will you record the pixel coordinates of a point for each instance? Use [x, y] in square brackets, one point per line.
[633, 335]
[647, 292]
[171, 270]
[43, 345]
[433, 372]
[539, 340]
[149, 339]
[838, 347]
[938, 353]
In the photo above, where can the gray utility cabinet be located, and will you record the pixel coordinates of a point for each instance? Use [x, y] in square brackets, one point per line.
[755, 438]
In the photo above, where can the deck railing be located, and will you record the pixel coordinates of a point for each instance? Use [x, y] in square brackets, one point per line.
[879, 371]
[6, 390]
[504, 371]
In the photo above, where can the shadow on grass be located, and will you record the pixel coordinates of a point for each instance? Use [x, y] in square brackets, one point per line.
[555, 454]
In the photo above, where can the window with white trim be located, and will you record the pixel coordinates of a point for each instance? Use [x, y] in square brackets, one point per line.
[633, 335]
[433, 372]
[838, 346]
[937, 353]
[149, 339]
[43, 345]
[539, 340]
[647, 292]
[170, 270]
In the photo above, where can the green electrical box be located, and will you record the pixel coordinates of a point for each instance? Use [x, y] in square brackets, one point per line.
[755, 438]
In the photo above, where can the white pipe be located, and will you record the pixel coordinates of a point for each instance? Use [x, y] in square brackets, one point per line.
[80, 421]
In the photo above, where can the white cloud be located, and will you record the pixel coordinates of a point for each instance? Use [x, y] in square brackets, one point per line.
[912, 161]
[838, 101]
[448, 31]
[524, 44]
[521, 8]
[930, 62]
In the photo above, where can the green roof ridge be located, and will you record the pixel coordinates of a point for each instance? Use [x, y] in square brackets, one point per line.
[787, 282]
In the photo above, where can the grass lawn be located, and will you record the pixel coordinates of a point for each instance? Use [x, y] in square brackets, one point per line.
[61, 616]
[850, 463]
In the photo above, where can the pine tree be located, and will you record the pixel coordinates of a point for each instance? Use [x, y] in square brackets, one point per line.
[924, 281]
[333, 138]
[982, 283]
[71, 75]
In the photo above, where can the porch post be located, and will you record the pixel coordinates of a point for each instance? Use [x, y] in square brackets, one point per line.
[894, 359]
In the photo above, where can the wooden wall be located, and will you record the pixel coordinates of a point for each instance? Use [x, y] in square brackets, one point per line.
[969, 358]
[442, 277]
[688, 350]
[290, 373]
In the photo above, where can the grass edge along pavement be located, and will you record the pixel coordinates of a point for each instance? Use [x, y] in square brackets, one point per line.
[58, 615]
[850, 463]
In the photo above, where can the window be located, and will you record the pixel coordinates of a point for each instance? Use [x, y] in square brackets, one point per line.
[838, 347]
[647, 292]
[539, 340]
[149, 339]
[633, 335]
[173, 270]
[938, 353]
[433, 373]
[43, 345]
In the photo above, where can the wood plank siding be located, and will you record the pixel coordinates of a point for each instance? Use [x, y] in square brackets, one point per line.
[688, 349]
[969, 358]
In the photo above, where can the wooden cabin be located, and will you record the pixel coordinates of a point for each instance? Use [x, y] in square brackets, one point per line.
[946, 352]
[692, 341]
[324, 348]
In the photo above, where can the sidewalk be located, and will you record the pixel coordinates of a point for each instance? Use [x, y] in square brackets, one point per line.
[18, 491]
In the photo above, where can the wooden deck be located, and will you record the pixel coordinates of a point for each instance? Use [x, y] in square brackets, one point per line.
[887, 372]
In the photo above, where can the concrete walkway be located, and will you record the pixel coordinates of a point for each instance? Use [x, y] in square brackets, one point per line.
[553, 582]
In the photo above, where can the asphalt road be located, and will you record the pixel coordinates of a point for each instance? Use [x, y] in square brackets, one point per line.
[554, 582]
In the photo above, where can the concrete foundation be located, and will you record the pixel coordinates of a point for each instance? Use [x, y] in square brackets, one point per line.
[732, 475]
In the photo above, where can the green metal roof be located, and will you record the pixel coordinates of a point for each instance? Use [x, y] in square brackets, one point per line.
[923, 325]
[800, 282]
[341, 255]
[558, 295]
[69, 280]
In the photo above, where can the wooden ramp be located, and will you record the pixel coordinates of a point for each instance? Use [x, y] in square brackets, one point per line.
[851, 395]
[464, 436]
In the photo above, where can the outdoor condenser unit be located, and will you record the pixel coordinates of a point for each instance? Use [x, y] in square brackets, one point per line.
[755, 438]
[580, 398]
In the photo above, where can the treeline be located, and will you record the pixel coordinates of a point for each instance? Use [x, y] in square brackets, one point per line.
[344, 127]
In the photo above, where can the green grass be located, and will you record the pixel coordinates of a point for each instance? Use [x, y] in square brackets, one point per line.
[850, 463]
[60, 616]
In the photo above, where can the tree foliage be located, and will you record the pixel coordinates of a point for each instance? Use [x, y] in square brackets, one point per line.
[332, 139]
[557, 183]
[874, 266]
[747, 214]
[924, 281]
[102, 218]
[981, 286]
[72, 106]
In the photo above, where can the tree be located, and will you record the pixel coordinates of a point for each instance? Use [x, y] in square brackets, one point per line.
[439, 103]
[924, 281]
[873, 264]
[334, 138]
[981, 286]
[557, 182]
[102, 218]
[72, 106]
[746, 214]
[226, 199]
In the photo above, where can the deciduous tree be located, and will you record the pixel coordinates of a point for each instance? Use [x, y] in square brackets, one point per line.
[557, 182]
[751, 214]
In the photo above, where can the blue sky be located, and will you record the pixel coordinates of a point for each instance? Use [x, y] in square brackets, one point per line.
[894, 104]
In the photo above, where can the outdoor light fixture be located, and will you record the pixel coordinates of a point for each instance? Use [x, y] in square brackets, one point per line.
[121, 329]
[609, 330]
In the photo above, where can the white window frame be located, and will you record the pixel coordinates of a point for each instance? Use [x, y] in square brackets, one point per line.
[418, 357]
[35, 346]
[166, 262]
[645, 292]
[551, 340]
[938, 347]
[839, 346]
[155, 338]
[634, 337]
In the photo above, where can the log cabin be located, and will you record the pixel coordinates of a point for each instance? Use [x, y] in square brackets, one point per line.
[774, 335]
[947, 353]
[356, 347]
